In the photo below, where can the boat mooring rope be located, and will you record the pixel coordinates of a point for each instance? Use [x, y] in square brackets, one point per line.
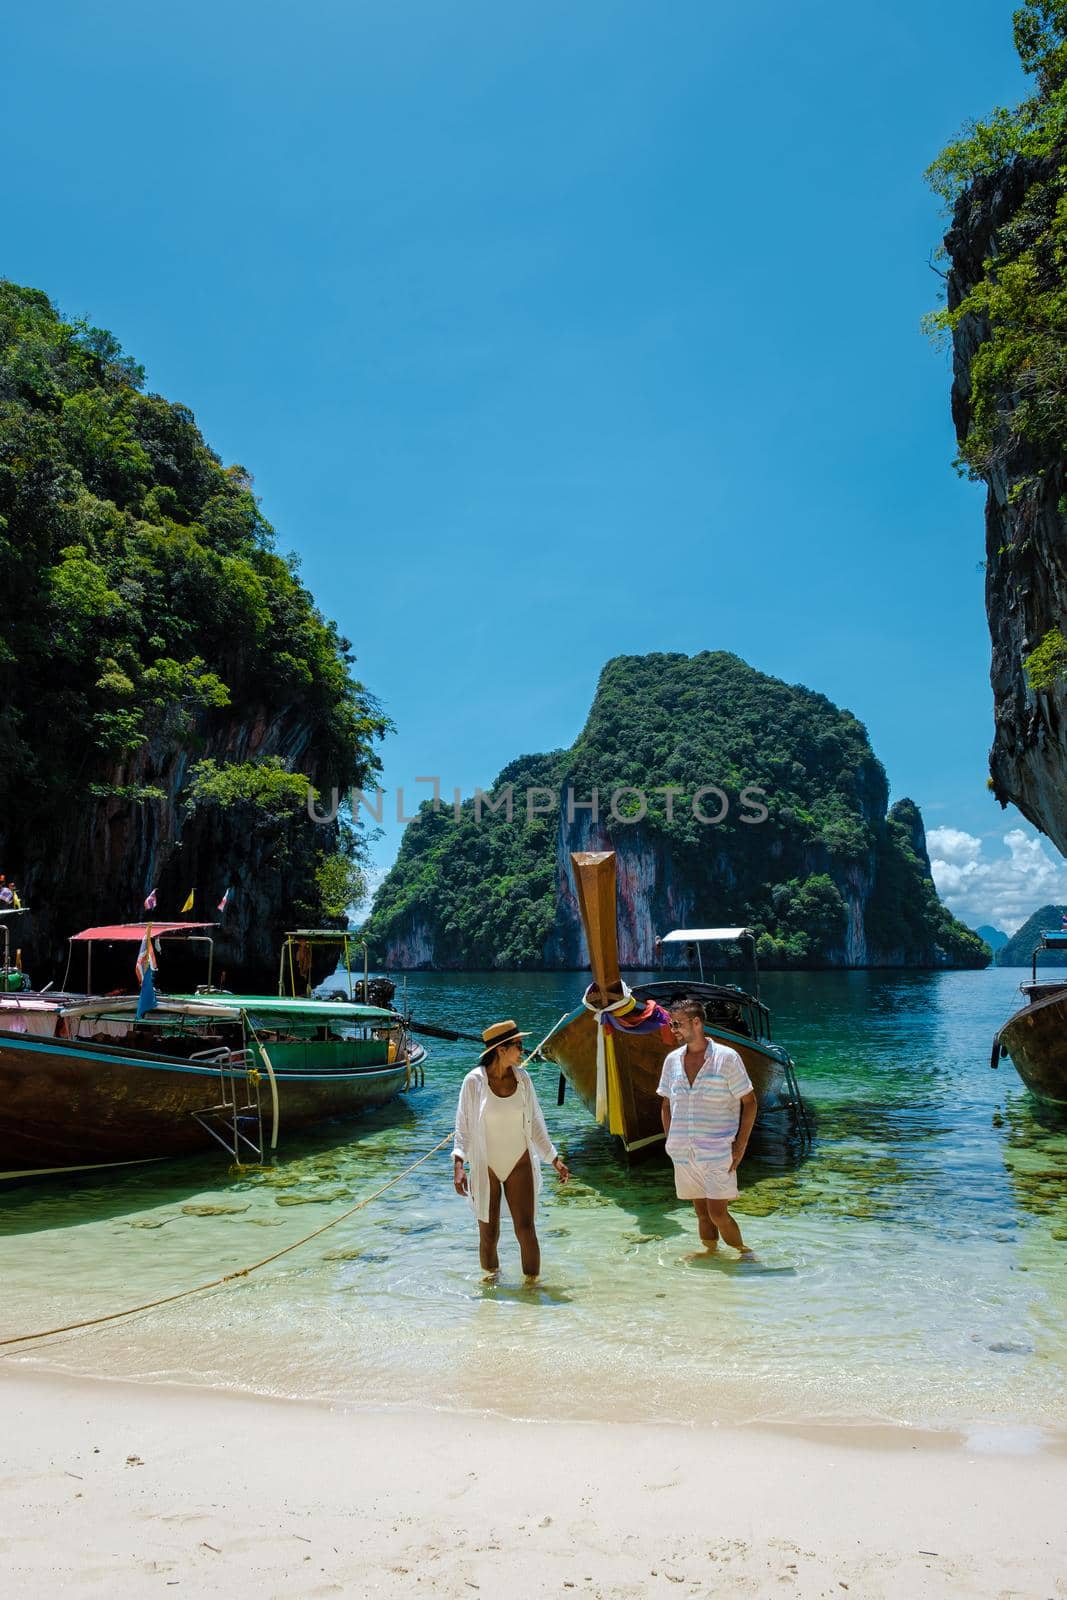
[535, 1053]
[228, 1277]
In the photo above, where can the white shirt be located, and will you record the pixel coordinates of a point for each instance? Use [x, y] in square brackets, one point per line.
[704, 1114]
[470, 1133]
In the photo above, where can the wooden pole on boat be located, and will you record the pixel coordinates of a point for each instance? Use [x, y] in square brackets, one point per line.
[594, 878]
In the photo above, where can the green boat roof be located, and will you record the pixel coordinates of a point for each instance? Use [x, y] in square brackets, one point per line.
[281, 1005]
[228, 1007]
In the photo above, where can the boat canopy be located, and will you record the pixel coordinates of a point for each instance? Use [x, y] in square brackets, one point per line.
[705, 935]
[274, 1005]
[134, 932]
[230, 1008]
[122, 1007]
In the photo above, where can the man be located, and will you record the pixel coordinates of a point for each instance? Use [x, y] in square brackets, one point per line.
[708, 1110]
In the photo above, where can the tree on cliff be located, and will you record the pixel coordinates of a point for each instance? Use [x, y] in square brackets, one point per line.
[826, 878]
[168, 688]
[1005, 180]
[1018, 377]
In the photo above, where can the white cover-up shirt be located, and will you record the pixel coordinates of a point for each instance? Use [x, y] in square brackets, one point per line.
[705, 1115]
[470, 1134]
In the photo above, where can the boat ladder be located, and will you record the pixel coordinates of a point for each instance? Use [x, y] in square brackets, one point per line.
[795, 1100]
[236, 1121]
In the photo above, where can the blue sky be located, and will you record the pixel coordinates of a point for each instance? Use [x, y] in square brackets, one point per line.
[550, 333]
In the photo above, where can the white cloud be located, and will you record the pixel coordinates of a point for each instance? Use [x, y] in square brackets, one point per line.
[1002, 890]
[953, 845]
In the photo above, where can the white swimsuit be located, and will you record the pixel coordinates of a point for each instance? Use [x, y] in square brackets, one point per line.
[505, 1138]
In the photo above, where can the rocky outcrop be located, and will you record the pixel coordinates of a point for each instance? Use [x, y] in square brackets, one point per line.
[168, 687]
[1025, 527]
[650, 899]
[110, 851]
[818, 867]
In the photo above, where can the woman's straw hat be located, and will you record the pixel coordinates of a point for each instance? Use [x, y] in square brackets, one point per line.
[497, 1034]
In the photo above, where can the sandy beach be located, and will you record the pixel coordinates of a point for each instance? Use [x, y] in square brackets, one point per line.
[111, 1489]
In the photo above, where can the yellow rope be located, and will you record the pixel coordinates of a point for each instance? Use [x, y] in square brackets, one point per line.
[242, 1272]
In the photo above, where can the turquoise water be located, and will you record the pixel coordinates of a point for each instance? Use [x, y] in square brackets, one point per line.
[911, 1266]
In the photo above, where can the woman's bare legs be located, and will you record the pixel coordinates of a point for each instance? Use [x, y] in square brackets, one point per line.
[489, 1232]
[519, 1189]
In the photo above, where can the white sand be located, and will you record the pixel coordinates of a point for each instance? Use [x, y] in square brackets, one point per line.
[114, 1490]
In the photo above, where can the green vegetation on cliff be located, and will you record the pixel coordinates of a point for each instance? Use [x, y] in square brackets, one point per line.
[155, 646]
[486, 892]
[1018, 376]
[1005, 181]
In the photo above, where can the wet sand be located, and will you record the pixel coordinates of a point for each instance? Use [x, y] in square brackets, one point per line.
[111, 1489]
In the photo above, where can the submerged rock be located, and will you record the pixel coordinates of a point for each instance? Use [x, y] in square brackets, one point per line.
[312, 1199]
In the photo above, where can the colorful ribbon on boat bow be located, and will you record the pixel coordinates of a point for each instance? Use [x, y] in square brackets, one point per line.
[603, 1044]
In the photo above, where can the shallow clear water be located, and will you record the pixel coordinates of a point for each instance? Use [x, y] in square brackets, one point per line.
[911, 1264]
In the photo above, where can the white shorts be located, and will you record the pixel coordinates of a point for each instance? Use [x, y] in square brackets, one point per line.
[701, 1179]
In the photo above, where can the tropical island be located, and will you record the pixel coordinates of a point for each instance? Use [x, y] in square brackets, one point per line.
[729, 797]
[169, 688]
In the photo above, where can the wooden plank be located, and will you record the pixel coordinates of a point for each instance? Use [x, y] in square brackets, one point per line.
[594, 878]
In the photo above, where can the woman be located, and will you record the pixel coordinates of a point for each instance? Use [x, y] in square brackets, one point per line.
[501, 1131]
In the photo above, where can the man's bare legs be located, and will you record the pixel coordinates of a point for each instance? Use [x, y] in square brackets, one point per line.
[709, 1233]
[719, 1218]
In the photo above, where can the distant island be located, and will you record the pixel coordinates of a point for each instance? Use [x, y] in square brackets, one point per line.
[995, 938]
[730, 798]
[1018, 950]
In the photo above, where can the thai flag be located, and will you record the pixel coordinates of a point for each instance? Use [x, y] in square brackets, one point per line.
[145, 967]
[150, 901]
[1063, 922]
[147, 960]
[224, 902]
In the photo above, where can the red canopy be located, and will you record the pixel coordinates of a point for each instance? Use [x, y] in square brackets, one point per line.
[134, 932]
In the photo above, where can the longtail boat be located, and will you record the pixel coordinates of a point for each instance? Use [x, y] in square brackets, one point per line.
[611, 1047]
[24, 1009]
[1036, 1036]
[110, 1087]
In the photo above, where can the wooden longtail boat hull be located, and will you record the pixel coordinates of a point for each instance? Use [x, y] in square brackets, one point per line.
[639, 1058]
[634, 1060]
[1036, 1040]
[65, 1106]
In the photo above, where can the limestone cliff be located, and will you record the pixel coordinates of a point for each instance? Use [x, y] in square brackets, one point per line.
[778, 820]
[98, 864]
[1004, 181]
[168, 688]
[1025, 524]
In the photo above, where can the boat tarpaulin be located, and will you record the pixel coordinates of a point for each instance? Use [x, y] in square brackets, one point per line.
[705, 935]
[136, 931]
